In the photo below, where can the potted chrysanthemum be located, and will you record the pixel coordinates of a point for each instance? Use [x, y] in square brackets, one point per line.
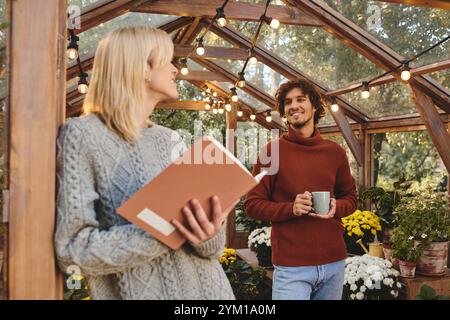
[259, 242]
[370, 278]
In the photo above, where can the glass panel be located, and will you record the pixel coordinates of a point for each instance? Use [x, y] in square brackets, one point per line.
[406, 29]
[328, 120]
[213, 40]
[187, 91]
[408, 155]
[90, 38]
[354, 168]
[88, 3]
[385, 100]
[442, 77]
[313, 51]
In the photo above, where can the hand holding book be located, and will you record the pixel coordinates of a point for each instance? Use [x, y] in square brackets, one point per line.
[202, 227]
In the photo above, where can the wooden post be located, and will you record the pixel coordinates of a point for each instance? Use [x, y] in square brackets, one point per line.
[37, 103]
[231, 118]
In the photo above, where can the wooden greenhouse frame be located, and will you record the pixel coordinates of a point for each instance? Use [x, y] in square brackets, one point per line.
[37, 59]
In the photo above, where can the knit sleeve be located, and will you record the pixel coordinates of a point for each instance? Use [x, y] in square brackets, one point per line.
[258, 203]
[345, 190]
[78, 239]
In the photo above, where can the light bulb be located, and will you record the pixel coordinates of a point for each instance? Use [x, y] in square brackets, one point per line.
[284, 119]
[72, 53]
[275, 23]
[222, 21]
[269, 118]
[220, 110]
[207, 106]
[253, 60]
[405, 75]
[208, 90]
[240, 113]
[214, 94]
[365, 94]
[215, 111]
[83, 88]
[252, 117]
[228, 107]
[203, 93]
[241, 83]
[184, 70]
[200, 50]
[365, 91]
[334, 107]
[235, 98]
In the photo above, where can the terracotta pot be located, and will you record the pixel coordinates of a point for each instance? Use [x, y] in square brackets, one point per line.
[433, 260]
[395, 263]
[407, 269]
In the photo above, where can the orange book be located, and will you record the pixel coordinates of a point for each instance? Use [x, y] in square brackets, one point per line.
[204, 170]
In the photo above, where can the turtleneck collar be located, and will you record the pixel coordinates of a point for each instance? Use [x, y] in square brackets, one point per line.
[293, 136]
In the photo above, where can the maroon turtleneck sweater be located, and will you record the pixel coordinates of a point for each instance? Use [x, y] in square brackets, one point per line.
[305, 164]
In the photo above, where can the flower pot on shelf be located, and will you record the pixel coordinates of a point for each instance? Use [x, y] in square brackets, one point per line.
[433, 260]
[407, 269]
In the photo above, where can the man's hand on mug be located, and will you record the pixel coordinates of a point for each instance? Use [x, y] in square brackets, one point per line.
[330, 214]
[302, 204]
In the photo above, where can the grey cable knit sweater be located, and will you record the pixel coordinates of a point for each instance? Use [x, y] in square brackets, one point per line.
[96, 172]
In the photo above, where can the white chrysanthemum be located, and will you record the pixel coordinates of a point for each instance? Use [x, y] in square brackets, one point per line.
[395, 273]
[368, 283]
[399, 285]
[386, 281]
[353, 296]
[394, 293]
[360, 296]
[353, 287]
[363, 289]
[351, 280]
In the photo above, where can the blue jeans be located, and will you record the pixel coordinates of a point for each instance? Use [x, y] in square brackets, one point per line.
[323, 282]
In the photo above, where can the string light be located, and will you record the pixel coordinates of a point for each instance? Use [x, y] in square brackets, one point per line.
[220, 109]
[214, 94]
[215, 110]
[184, 69]
[221, 19]
[234, 95]
[334, 105]
[274, 23]
[405, 74]
[284, 119]
[207, 106]
[241, 81]
[268, 116]
[252, 117]
[365, 91]
[239, 113]
[83, 83]
[200, 50]
[227, 105]
[72, 48]
[253, 60]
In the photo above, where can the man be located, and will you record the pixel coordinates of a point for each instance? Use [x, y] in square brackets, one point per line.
[308, 249]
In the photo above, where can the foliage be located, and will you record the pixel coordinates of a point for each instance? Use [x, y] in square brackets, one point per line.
[404, 247]
[360, 225]
[428, 293]
[248, 283]
[370, 278]
[76, 294]
[245, 221]
[424, 217]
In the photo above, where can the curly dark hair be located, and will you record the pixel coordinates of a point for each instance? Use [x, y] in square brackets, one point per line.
[307, 88]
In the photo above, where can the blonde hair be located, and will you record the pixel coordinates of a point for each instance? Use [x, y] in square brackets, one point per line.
[117, 88]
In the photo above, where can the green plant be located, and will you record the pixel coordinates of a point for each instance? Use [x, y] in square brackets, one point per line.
[246, 282]
[424, 217]
[428, 293]
[245, 221]
[404, 247]
[385, 201]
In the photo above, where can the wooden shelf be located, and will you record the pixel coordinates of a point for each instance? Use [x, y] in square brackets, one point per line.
[440, 284]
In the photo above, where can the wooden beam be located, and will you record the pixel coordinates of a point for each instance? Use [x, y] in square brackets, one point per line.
[284, 68]
[436, 128]
[369, 46]
[190, 33]
[37, 26]
[203, 76]
[212, 52]
[249, 88]
[182, 105]
[233, 10]
[349, 136]
[439, 4]
[437, 66]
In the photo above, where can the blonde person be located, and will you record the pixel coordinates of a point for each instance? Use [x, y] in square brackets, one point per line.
[108, 154]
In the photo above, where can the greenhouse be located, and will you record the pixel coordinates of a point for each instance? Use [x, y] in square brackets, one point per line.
[381, 68]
